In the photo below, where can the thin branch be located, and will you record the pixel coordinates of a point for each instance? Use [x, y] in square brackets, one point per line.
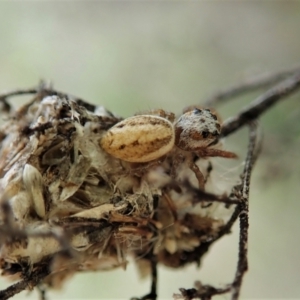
[202, 196]
[249, 85]
[30, 282]
[242, 265]
[205, 292]
[261, 104]
[44, 90]
[42, 292]
[19, 92]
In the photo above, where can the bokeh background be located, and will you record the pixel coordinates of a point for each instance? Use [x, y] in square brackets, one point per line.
[132, 56]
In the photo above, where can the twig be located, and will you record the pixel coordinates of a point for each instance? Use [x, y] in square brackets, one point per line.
[41, 89]
[205, 292]
[42, 292]
[30, 282]
[261, 104]
[242, 265]
[249, 85]
[202, 196]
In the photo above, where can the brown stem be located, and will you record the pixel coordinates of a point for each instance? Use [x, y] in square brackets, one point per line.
[249, 85]
[31, 281]
[242, 265]
[261, 104]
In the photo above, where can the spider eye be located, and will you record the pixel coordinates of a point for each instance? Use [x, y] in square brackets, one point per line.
[214, 117]
[197, 111]
[205, 134]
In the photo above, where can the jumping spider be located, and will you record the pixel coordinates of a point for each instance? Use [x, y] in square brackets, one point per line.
[147, 137]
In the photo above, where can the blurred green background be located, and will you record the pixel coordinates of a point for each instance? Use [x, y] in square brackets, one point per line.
[132, 56]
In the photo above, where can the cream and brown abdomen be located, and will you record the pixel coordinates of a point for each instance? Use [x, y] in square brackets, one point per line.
[139, 138]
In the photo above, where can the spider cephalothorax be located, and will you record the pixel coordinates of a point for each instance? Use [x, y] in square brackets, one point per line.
[195, 129]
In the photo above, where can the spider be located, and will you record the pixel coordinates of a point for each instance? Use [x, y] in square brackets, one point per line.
[147, 137]
[143, 138]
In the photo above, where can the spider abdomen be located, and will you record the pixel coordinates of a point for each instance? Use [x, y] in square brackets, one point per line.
[139, 138]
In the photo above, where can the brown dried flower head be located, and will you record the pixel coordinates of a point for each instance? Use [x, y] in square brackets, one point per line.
[86, 189]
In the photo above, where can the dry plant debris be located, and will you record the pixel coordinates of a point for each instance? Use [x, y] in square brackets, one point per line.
[81, 189]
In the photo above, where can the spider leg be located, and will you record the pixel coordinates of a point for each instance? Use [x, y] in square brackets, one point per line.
[212, 152]
[199, 175]
[207, 152]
